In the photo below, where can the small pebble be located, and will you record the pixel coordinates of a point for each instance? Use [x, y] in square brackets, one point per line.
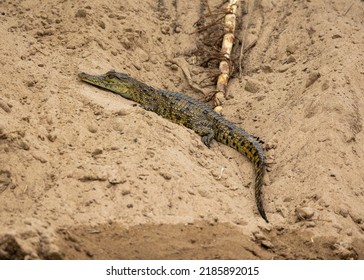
[5, 107]
[310, 224]
[266, 68]
[39, 156]
[356, 218]
[165, 175]
[174, 67]
[165, 30]
[92, 128]
[203, 193]
[96, 152]
[123, 112]
[92, 177]
[81, 13]
[312, 77]
[23, 145]
[291, 59]
[251, 86]
[344, 212]
[291, 48]
[125, 192]
[102, 24]
[52, 137]
[283, 68]
[325, 85]
[267, 244]
[114, 178]
[304, 213]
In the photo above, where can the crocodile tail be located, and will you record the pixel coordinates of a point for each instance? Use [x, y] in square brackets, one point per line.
[248, 145]
[255, 153]
[259, 167]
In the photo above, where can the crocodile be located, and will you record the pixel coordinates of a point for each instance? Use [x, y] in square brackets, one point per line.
[191, 113]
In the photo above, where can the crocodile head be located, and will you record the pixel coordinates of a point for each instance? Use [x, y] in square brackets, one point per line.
[117, 82]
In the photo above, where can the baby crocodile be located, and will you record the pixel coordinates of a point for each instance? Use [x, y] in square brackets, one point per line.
[191, 113]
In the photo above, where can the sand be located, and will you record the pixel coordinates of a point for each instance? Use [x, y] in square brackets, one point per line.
[86, 174]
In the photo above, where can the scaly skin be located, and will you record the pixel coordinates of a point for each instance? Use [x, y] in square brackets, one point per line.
[185, 110]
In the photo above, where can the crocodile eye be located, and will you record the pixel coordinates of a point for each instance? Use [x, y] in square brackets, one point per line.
[110, 74]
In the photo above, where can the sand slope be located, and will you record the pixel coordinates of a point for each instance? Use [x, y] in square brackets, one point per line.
[84, 172]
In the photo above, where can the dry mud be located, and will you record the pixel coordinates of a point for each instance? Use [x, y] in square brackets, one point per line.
[85, 174]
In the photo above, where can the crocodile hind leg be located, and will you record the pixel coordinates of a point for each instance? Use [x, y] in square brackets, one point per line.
[204, 129]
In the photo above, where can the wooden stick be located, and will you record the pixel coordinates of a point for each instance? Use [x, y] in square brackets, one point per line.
[226, 47]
